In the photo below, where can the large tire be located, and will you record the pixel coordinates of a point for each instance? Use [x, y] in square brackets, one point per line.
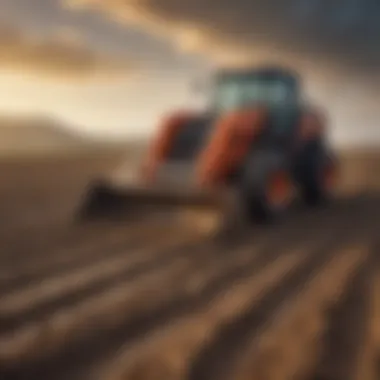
[261, 170]
[314, 167]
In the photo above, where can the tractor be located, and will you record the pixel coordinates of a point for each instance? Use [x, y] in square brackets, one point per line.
[256, 148]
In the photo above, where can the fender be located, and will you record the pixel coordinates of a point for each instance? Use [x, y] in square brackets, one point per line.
[312, 128]
[229, 144]
[161, 143]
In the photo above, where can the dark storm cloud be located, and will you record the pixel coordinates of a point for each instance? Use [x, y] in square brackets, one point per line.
[341, 32]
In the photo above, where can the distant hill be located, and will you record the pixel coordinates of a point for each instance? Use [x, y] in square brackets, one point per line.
[22, 135]
[38, 135]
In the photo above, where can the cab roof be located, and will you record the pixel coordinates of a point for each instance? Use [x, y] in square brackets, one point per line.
[264, 72]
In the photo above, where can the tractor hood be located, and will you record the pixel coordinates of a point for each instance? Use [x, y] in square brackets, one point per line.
[203, 149]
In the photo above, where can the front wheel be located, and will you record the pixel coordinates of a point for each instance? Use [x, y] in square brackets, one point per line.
[266, 187]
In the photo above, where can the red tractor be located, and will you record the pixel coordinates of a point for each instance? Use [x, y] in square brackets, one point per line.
[258, 145]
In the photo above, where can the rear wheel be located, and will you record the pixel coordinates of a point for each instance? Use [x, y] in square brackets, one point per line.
[317, 178]
[267, 188]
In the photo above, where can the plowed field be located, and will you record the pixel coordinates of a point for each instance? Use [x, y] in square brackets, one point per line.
[154, 301]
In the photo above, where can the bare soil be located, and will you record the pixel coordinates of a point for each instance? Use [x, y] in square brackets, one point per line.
[151, 300]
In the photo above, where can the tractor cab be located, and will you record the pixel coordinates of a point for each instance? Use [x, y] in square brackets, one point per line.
[275, 89]
[270, 87]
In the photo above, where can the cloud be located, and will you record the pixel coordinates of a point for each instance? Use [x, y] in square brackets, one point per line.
[63, 56]
[69, 36]
[340, 33]
[334, 44]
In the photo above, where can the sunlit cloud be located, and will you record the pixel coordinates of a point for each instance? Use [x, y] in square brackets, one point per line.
[334, 45]
[62, 56]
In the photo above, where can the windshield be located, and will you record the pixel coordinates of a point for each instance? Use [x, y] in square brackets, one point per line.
[232, 94]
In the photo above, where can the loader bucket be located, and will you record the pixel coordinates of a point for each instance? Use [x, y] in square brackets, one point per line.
[100, 201]
[207, 211]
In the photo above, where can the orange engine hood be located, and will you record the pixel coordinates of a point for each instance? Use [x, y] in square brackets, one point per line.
[229, 143]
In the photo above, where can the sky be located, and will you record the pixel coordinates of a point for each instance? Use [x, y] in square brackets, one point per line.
[114, 67]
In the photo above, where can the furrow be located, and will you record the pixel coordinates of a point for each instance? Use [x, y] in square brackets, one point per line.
[289, 344]
[17, 305]
[166, 354]
[33, 247]
[75, 257]
[101, 309]
[183, 304]
[161, 313]
[368, 359]
[216, 358]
